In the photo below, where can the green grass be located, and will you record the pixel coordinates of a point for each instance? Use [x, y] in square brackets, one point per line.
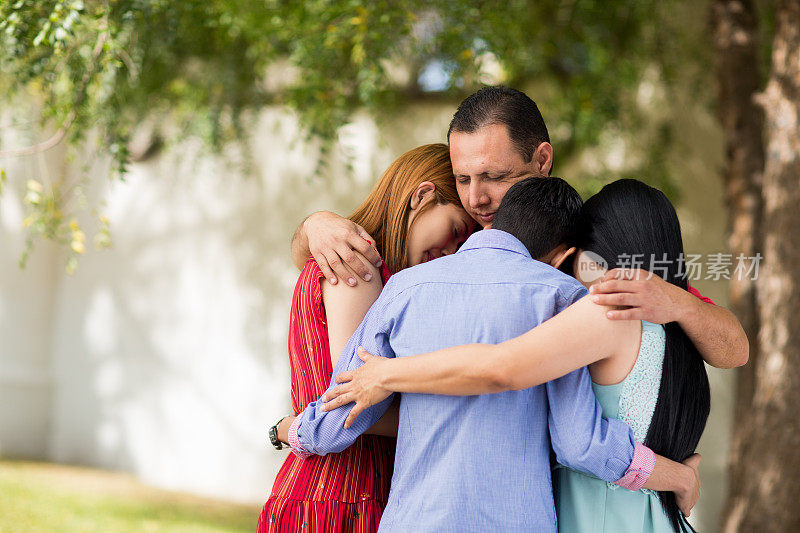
[38, 497]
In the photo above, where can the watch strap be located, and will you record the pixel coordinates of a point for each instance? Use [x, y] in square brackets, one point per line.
[273, 435]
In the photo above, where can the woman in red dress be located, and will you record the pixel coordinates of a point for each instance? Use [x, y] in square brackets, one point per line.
[414, 215]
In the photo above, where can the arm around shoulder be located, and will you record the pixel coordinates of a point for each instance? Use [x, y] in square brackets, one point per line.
[340, 246]
[577, 337]
[715, 331]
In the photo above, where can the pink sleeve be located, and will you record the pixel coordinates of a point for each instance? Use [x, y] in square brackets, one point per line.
[644, 460]
[695, 292]
[294, 440]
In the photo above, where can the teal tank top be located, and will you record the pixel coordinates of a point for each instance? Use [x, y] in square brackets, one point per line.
[586, 504]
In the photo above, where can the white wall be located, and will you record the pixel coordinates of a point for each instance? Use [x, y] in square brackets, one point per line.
[26, 317]
[166, 355]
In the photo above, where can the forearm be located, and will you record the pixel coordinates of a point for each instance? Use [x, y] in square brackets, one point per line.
[457, 371]
[715, 331]
[321, 432]
[551, 350]
[386, 426]
[283, 429]
[669, 475]
[300, 250]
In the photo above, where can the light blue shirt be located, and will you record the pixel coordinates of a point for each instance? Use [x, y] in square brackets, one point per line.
[475, 463]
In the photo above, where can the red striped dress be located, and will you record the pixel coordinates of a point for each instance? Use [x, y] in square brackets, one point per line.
[340, 492]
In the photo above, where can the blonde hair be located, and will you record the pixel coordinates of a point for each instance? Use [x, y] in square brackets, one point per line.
[384, 214]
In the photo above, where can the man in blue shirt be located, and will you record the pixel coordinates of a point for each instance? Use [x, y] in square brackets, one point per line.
[481, 463]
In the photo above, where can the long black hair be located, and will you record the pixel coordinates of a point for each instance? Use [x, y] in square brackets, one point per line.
[629, 219]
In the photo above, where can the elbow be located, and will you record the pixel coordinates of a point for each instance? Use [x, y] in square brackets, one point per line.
[572, 455]
[734, 350]
[739, 354]
[507, 373]
[501, 375]
[743, 354]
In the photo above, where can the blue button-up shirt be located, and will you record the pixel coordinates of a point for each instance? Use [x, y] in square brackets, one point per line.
[475, 463]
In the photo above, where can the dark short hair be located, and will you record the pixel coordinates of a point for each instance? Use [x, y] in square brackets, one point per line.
[540, 212]
[502, 105]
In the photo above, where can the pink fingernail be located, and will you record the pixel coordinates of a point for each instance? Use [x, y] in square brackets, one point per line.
[351, 281]
[368, 277]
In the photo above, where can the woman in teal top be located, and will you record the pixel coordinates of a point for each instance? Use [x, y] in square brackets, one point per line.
[586, 504]
[660, 389]
[648, 375]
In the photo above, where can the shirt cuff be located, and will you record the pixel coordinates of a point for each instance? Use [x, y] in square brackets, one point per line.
[644, 460]
[294, 440]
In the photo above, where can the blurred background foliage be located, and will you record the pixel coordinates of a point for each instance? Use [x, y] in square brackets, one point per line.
[100, 69]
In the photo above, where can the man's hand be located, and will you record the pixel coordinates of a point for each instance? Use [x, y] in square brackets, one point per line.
[340, 246]
[646, 296]
[361, 386]
[688, 496]
[715, 331]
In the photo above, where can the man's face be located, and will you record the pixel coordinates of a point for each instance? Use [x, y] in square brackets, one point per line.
[486, 164]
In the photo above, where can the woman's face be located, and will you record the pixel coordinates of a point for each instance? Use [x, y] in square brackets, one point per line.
[438, 230]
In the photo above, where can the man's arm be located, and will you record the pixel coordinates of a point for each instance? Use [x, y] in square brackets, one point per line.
[714, 330]
[300, 251]
[386, 426]
[334, 241]
[583, 440]
[317, 432]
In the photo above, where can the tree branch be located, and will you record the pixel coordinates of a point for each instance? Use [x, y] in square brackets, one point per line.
[44, 145]
[62, 131]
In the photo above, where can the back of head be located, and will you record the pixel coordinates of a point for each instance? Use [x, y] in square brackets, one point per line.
[540, 212]
[384, 214]
[503, 105]
[627, 219]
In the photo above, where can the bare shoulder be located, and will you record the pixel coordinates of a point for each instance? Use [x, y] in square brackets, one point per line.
[618, 339]
[344, 292]
[588, 314]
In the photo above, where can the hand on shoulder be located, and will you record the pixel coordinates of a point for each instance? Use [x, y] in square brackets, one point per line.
[342, 248]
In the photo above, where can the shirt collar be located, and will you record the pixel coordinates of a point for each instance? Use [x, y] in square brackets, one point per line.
[497, 239]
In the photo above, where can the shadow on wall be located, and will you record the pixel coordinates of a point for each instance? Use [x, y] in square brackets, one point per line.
[169, 350]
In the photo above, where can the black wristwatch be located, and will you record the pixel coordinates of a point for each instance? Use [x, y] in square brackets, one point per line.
[273, 435]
